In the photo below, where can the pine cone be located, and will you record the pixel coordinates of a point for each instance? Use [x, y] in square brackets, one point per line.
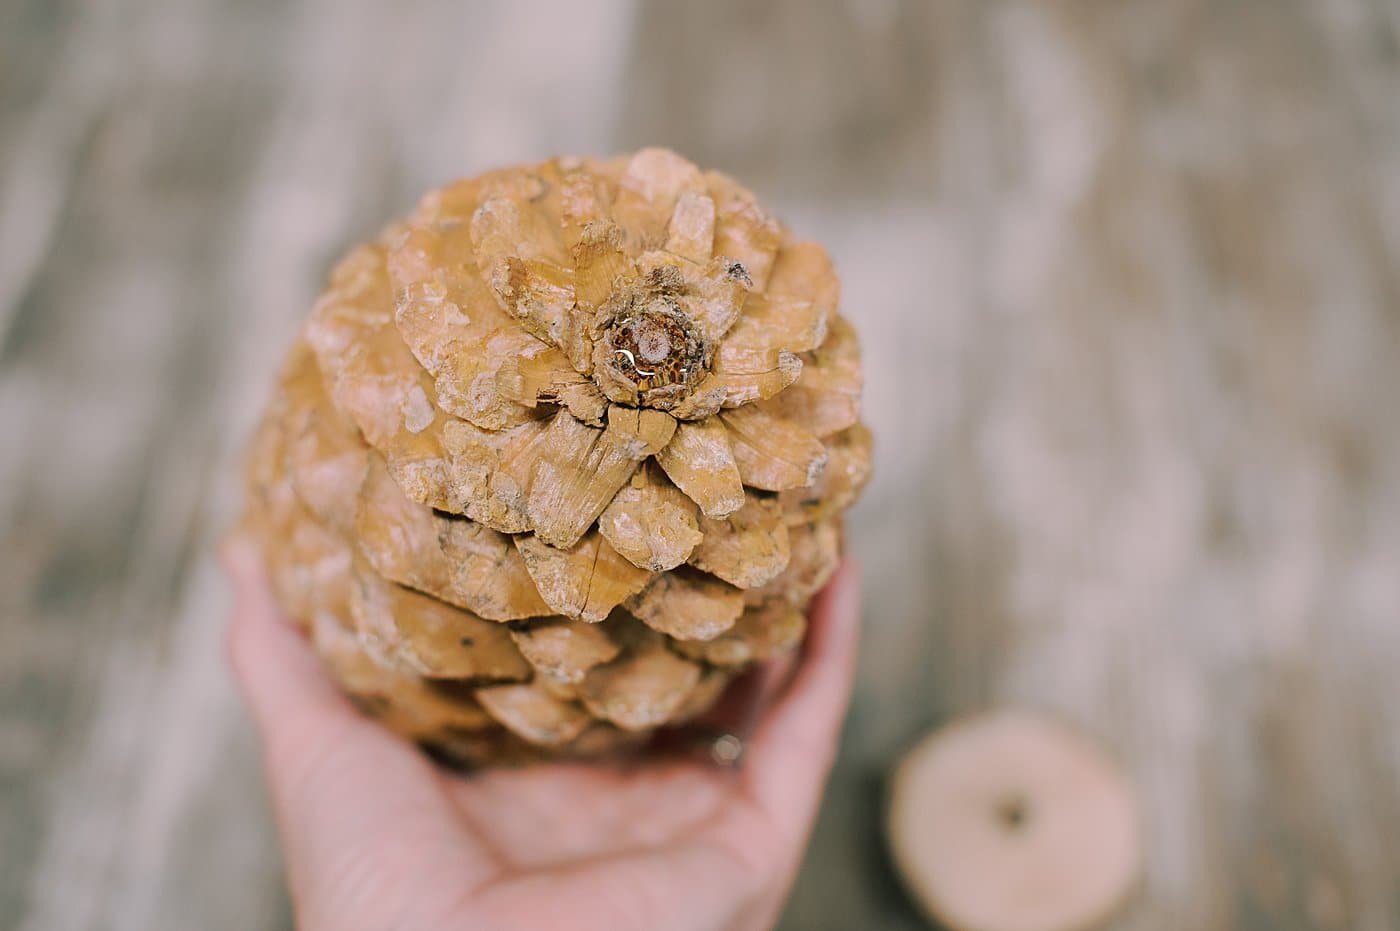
[558, 456]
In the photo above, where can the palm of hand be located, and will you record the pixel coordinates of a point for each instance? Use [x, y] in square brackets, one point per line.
[570, 846]
[377, 837]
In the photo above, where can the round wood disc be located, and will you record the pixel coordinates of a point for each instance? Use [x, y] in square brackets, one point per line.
[1010, 822]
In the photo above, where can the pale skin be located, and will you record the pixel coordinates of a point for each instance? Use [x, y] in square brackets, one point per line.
[376, 837]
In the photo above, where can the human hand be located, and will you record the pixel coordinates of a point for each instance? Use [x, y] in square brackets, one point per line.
[377, 837]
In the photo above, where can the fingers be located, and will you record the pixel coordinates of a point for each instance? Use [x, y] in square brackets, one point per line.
[338, 781]
[796, 744]
[277, 672]
[303, 720]
[296, 706]
[737, 714]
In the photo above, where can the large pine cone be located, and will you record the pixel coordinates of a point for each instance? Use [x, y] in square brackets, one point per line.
[559, 455]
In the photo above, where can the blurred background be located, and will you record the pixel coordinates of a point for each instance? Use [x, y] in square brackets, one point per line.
[1128, 279]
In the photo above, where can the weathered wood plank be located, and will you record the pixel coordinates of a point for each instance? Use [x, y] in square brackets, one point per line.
[110, 352]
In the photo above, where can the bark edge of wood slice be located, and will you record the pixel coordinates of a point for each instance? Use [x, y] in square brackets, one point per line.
[1012, 821]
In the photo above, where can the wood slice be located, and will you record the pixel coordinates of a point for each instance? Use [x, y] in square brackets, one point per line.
[1011, 822]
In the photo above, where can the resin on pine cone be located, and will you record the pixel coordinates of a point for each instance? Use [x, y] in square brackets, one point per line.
[560, 454]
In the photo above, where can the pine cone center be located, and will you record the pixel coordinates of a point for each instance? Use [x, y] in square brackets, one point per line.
[656, 348]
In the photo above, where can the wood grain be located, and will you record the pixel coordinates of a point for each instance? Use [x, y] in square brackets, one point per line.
[1128, 279]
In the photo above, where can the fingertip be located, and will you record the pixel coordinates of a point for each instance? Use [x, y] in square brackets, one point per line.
[255, 645]
[252, 601]
[248, 646]
[835, 625]
[841, 597]
[273, 663]
[852, 568]
[238, 551]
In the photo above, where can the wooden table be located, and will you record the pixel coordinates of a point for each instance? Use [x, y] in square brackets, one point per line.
[1128, 276]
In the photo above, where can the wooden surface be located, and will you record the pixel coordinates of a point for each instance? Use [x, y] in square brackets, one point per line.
[1128, 276]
